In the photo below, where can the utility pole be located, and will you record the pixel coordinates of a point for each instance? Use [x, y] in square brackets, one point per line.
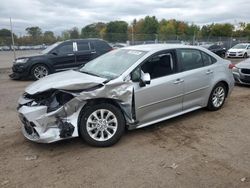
[12, 37]
[132, 34]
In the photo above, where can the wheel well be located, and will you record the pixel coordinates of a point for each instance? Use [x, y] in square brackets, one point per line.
[226, 85]
[39, 64]
[99, 101]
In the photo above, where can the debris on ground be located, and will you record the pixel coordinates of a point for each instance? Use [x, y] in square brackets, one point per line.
[243, 179]
[5, 182]
[31, 157]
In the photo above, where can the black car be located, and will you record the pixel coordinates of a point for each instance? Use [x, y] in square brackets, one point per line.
[60, 56]
[217, 49]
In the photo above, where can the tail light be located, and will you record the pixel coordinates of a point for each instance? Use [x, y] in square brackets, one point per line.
[231, 66]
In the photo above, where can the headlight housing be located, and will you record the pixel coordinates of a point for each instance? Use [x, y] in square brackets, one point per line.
[240, 52]
[23, 60]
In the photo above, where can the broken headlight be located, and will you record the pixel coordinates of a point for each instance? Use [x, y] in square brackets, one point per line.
[53, 99]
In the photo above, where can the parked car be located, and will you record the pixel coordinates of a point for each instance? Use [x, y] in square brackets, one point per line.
[217, 49]
[239, 50]
[241, 72]
[60, 56]
[130, 87]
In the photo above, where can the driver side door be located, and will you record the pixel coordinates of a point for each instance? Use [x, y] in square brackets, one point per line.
[64, 57]
[163, 96]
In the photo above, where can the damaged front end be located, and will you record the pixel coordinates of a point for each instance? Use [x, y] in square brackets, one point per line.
[46, 118]
[50, 110]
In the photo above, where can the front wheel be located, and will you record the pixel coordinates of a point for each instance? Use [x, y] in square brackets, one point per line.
[245, 55]
[217, 97]
[39, 71]
[101, 124]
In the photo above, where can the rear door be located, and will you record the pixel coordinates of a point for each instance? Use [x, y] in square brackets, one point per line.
[163, 96]
[197, 73]
[84, 53]
[63, 57]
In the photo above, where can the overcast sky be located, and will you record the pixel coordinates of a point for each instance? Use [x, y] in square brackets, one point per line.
[58, 15]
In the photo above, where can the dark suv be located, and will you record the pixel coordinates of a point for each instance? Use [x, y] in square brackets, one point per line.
[60, 56]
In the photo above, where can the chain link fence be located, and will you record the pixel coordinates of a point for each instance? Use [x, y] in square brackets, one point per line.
[125, 39]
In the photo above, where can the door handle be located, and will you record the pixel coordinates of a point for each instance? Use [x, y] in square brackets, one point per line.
[70, 54]
[209, 72]
[178, 81]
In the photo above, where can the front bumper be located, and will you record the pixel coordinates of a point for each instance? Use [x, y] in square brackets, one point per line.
[19, 71]
[235, 54]
[241, 78]
[42, 127]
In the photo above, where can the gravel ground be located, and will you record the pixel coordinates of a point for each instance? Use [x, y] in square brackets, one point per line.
[199, 149]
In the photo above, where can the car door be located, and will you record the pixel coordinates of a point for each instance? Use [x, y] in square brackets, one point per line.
[163, 96]
[197, 77]
[63, 57]
[84, 53]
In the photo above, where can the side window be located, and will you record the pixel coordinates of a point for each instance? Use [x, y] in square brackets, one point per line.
[65, 49]
[190, 59]
[159, 65]
[207, 59]
[83, 46]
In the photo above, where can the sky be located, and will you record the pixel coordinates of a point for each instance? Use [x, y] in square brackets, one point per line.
[59, 15]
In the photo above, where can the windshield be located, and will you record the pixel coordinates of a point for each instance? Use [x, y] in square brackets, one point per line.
[240, 46]
[49, 48]
[112, 64]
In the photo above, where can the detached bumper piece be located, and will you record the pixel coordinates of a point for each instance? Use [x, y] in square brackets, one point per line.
[39, 126]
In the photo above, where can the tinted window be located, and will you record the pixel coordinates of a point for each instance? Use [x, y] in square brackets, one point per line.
[159, 65]
[213, 47]
[102, 45]
[190, 59]
[207, 59]
[65, 49]
[83, 46]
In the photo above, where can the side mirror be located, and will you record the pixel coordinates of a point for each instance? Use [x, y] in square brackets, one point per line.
[145, 79]
[54, 53]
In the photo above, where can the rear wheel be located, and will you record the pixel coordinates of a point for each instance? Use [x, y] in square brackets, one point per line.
[217, 97]
[39, 71]
[101, 125]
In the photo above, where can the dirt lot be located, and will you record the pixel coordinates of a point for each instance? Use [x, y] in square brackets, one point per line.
[200, 149]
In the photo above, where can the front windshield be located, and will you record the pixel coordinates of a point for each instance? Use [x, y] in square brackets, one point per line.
[112, 64]
[240, 46]
[49, 48]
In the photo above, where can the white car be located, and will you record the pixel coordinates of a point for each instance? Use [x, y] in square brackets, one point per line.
[239, 50]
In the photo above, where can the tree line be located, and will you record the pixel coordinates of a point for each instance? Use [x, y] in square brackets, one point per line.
[147, 28]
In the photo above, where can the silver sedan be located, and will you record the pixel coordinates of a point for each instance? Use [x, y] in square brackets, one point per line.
[131, 87]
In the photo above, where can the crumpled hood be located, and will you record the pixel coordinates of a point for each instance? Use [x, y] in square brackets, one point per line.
[68, 80]
[244, 64]
[236, 50]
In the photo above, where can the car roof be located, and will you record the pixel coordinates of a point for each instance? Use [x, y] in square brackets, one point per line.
[87, 39]
[159, 47]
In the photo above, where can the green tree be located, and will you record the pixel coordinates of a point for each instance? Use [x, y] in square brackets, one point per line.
[49, 37]
[74, 33]
[34, 32]
[5, 37]
[93, 30]
[117, 31]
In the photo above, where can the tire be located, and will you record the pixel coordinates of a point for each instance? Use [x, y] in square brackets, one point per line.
[217, 97]
[39, 71]
[245, 55]
[223, 55]
[96, 131]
